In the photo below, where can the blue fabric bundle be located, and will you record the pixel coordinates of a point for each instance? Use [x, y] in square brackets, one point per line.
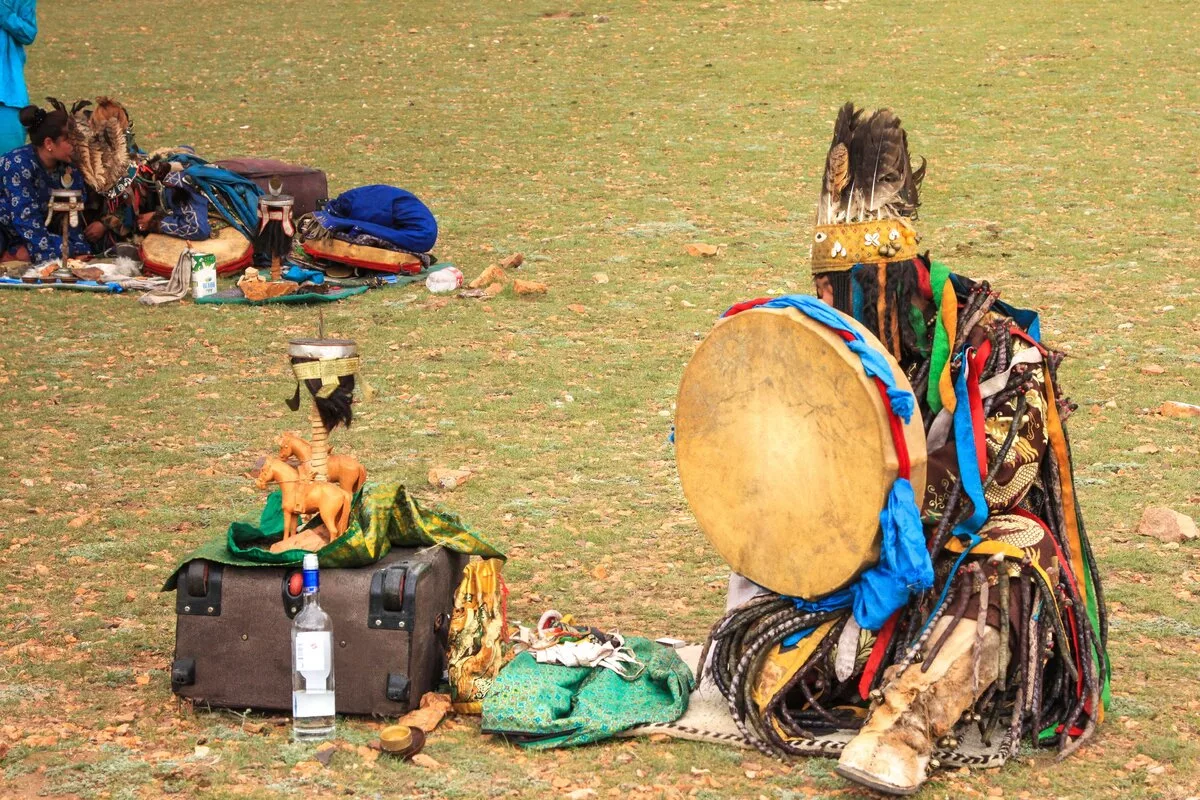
[385, 212]
[235, 197]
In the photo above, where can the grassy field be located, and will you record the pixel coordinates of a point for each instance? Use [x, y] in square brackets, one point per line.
[594, 138]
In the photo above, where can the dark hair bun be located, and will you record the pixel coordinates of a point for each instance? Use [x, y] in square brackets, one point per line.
[32, 116]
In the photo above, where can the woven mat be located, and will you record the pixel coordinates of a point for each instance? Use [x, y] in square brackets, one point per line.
[707, 719]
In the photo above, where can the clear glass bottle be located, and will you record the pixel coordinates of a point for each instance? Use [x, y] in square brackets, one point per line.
[312, 663]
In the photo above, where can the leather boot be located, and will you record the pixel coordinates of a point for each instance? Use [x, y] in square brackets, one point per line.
[892, 750]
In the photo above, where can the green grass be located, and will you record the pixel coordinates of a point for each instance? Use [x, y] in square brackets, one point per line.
[1062, 148]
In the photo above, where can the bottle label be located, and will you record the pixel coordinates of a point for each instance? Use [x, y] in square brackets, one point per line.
[312, 704]
[313, 650]
[312, 581]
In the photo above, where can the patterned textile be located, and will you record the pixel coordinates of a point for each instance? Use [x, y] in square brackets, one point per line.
[389, 510]
[367, 240]
[478, 630]
[1016, 474]
[541, 706]
[25, 186]
[187, 214]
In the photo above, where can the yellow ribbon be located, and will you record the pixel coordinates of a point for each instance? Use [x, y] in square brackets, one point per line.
[328, 371]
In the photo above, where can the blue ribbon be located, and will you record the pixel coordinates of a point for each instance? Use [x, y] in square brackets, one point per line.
[968, 471]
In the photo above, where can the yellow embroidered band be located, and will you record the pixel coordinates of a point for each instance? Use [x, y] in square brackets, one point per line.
[837, 248]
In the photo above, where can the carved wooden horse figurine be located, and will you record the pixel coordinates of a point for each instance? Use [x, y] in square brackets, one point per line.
[328, 500]
[342, 470]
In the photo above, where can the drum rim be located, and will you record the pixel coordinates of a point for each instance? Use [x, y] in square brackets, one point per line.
[914, 437]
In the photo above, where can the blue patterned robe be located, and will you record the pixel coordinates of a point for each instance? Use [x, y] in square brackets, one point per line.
[25, 186]
[187, 210]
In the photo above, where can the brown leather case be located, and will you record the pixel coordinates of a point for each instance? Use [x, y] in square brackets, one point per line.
[390, 627]
[308, 186]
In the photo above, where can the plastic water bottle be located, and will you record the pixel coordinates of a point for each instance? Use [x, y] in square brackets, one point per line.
[444, 280]
[312, 663]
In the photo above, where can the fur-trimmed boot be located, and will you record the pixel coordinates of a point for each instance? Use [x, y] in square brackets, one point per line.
[891, 752]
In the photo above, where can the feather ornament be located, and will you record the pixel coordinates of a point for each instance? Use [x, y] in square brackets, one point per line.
[868, 173]
[837, 166]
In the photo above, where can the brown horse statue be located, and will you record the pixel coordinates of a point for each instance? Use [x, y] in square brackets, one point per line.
[330, 501]
[342, 470]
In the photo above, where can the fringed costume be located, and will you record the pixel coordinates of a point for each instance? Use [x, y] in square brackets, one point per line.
[1009, 643]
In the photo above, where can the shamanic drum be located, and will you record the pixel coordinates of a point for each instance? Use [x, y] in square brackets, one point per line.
[233, 251]
[785, 450]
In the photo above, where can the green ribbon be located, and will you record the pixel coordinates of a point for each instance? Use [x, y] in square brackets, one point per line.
[939, 275]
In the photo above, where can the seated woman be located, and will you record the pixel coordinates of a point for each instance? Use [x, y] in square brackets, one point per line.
[27, 175]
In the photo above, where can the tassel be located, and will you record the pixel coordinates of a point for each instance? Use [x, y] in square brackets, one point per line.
[1003, 574]
[847, 650]
[980, 631]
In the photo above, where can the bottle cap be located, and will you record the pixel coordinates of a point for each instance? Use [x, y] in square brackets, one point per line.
[311, 561]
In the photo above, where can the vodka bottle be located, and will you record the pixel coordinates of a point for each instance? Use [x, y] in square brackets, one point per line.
[312, 663]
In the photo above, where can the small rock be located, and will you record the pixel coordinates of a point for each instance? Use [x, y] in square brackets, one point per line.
[703, 250]
[130, 596]
[1173, 409]
[580, 794]
[578, 308]
[27, 483]
[599, 277]
[492, 274]
[1153, 369]
[422, 760]
[201, 751]
[1148, 449]
[493, 289]
[529, 287]
[1167, 525]
[442, 478]
[513, 261]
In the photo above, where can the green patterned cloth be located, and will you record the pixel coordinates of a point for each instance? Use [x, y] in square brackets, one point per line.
[383, 516]
[541, 706]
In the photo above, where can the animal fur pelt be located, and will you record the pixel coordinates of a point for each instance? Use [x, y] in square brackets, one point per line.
[99, 138]
[868, 173]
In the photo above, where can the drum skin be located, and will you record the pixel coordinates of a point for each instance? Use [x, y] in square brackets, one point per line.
[785, 451]
[232, 250]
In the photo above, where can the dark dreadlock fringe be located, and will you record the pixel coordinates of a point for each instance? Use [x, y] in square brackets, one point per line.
[272, 242]
[843, 294]
[900, 289]
[337, 408]
[868, 285]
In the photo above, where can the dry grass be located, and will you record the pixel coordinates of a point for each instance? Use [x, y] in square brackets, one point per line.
[1062, 149]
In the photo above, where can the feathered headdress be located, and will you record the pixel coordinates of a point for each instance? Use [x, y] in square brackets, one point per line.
[868, 194]
[101, 139]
